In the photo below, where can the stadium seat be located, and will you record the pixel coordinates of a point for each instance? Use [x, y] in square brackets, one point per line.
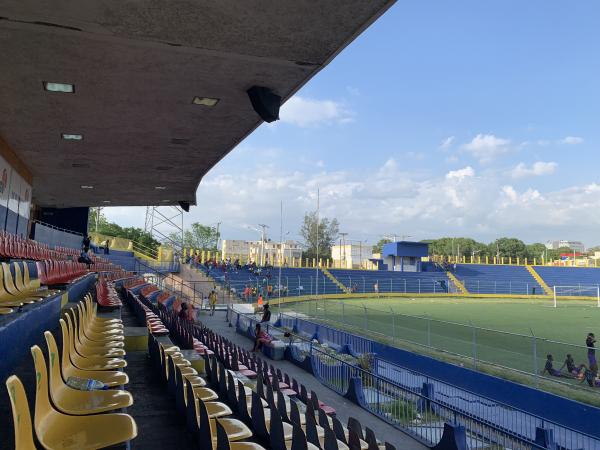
[111, 378]
[82, 362]
[57, 430]
[224, 444]
[20, 412]
[76, 402]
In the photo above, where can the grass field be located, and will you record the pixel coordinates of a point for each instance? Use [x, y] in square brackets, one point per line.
[473, 332]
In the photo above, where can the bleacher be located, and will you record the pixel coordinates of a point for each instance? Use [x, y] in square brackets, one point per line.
[239, 401]
[584, 278]
[363, 281]
[497, 279]
[294, 281]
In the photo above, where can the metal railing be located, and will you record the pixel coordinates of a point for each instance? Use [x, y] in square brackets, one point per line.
[468, 344]
[193, 292]
[420, 405]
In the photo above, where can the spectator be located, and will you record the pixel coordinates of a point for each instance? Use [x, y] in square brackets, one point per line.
[376, 287]
[261, 338]
[570, 365]
[86, 243]
[266, 317]
[589, 375]
[106, 245]
[551, 370]
[591, 353]
[183, 313]
[260, 300]
[85, 259]
[212, 299]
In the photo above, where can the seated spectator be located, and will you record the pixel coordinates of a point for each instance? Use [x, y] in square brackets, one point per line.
[85, 259]
[589, 375]
[551, 370]
[261, 338]
[570, 365]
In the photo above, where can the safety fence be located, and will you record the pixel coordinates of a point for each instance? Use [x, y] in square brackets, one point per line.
[471, 345]
[419, 405]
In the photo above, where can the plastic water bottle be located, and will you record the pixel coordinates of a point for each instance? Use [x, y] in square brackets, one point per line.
[86, 384]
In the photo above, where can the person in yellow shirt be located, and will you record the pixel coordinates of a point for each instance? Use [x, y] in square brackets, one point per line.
[212, 300]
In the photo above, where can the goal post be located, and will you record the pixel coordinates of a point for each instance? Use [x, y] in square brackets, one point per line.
[585, 292]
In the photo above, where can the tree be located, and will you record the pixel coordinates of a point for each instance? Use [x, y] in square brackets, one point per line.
[325, 235]
[198, 236]
[378, 248]
[505, 247]
[457, 247]
[142, 240]
[536, 251]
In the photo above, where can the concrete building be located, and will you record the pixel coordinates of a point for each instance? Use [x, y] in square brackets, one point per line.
[573, 245]
[351, 256]
[261, 251]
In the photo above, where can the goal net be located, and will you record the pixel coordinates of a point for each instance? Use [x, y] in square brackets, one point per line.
[576, 292]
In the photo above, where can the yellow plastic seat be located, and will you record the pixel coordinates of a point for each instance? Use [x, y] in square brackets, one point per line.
[195, 380]
[76, 402]
[91, 324]
[12, 290]
[111, 378]
[92, 310]
[56, 430]
[235, 429]
[224, 443]
[97, 349]
[5, 310]
[21, 286]
[20, 412]
[90, 363]
[90, 348]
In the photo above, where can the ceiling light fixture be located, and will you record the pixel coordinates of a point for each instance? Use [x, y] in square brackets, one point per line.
[65, 88]
[165, 201]
[160, 188]
[86, 186]
[105, 201]
[72, 137]
[205, 101]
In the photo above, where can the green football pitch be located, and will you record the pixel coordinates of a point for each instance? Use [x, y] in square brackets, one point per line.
[469, 331]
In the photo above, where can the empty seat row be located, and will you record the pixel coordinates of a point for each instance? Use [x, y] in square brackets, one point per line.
[51, 272]
[17, 288]
[65, 417]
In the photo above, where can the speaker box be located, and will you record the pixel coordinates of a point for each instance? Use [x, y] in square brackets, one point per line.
[265, 102]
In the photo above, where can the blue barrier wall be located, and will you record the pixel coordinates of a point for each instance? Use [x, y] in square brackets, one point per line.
[570, 413]
[567, 412]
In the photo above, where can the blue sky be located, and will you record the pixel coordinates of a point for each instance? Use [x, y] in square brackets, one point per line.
[466, 118]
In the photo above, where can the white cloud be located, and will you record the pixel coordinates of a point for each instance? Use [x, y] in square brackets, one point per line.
[460, 174]
[418, 156]
[537, 169]
[572, 140]
[370, 201]
[306, 112]
[486, 147]
[446, 143]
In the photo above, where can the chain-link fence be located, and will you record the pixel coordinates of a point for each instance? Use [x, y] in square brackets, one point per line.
[465, 343]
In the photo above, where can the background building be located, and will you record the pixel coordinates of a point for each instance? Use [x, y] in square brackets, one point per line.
[573, 245]
[261, 251]
[351, 256]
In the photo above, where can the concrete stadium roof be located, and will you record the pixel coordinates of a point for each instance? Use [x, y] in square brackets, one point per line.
[136, 66]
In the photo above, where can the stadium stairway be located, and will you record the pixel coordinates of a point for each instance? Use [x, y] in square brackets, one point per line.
[329, 275]
[539, 279]
[457, 283]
